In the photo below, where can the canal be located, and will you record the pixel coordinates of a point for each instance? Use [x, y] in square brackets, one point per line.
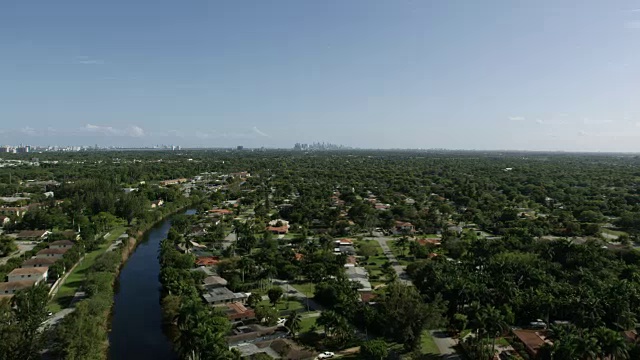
[136, 324]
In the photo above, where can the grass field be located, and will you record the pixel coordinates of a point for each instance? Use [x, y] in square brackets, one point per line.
[428, 346]
[307, 323]
[305, 288]
[76, 278]
[283, 305]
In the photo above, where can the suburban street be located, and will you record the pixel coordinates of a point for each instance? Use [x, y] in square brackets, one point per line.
[400, 270]
[23, 246]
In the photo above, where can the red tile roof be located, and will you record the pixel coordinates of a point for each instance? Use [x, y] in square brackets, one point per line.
[278, 229]
[221, 211]
[431, 241]
[238, 311]
[207, 260]
[367, 296]
[531, 339]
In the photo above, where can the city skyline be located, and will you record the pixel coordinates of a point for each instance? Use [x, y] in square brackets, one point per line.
[404, 74]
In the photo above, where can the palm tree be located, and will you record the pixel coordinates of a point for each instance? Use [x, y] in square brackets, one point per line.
[245, 265]
[293, 323]
[611, 344]
[402, 243]
[329, 320]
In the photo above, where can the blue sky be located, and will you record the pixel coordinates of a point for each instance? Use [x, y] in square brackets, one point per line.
[510, 74]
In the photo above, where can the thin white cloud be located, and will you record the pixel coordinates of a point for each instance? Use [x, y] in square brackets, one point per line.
[517, 118]
[132, 131]
[135, 131]
[86, 60]
[635, 10]
[261, 133]
[582, 133]
[29, 131]
[539, 121]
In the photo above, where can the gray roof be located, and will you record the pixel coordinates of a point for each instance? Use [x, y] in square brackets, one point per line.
[221, 294]
[247, 349]
[356, 272]
[214, 280]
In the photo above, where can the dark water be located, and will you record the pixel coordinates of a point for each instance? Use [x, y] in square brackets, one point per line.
[136, 325]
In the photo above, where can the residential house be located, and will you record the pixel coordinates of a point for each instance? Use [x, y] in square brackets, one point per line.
[173, 182]
[51, 253]
[404, 228]
[278, 230]
[351, 261]
[18, 211]
[241, 174]
[277, 349]
[359, 275]
[38, 262]
[33, 273]
[380, 206]
[10, 288]
[156, 204]
[532, 340]
[37, 235]
[430, 241]
[207, 261]
[4, 220]
[214, 281]
[235, 311]
[223, 295]
[344, 246]
[219, 212]
[61, 244]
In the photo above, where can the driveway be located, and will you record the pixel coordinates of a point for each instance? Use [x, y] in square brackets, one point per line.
[445, 345]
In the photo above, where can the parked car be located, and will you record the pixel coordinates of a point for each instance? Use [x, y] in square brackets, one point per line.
[326, 355]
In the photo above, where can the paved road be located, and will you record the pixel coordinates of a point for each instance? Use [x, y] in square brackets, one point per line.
[229, 239]
[23, 247]
[400, 269]
[445, 344]
[57, 317]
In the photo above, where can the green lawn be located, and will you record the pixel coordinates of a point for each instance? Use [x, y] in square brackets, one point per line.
[305, 288]
[370, 242]
[428, 346]
[76, 278]
[613, 232]
[284, 305]
[307, 323]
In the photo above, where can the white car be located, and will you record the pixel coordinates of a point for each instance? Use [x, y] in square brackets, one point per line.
[326, 355]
